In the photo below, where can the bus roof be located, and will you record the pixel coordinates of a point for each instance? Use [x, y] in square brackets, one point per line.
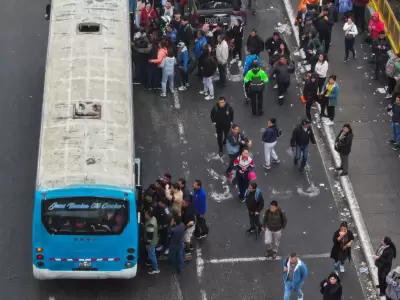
[87, 116]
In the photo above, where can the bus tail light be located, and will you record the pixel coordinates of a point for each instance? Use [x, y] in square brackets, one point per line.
[131, 250]
[39, 257]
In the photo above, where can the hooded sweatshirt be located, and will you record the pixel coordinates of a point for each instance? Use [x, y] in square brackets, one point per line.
[249, 61]
[393, 281]
[375, 26]
[331, 291]
[161, 54]
[183, 58]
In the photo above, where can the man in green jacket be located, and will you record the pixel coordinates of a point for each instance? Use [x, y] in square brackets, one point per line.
[256, 80]
[151, 238]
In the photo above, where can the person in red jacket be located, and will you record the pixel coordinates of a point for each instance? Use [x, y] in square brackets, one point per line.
[148, 15]
[359, 13]
[375, 26]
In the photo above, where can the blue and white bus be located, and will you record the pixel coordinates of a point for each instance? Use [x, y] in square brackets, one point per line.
[85, 221]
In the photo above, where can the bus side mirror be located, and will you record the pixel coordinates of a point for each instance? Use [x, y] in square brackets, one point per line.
[48, 10]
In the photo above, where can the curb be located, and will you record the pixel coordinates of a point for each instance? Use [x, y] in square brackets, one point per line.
[355, 210]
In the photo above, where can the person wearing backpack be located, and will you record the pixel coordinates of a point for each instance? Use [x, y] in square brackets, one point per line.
[269, 139]
[255, 203]
[393, 73]
[273, 224]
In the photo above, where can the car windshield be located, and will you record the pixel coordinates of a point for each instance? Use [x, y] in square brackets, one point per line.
[85, 216]
[211, 4]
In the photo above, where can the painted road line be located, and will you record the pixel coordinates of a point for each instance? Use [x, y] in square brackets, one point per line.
[200, 269]
[176, 287]
[181, 132]
[261, 258]
[365, 240]
[177, 104]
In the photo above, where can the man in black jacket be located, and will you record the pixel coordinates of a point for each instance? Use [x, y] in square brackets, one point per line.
[301, 137]
[185, 32]
[343, 143]
[324, 26]
[255, 42]
[282, 70]
[255, 203]
[272, 44]
[380, 48]
[222, 118]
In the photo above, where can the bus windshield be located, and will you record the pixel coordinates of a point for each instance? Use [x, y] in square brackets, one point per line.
[85, 216]
[215, 4]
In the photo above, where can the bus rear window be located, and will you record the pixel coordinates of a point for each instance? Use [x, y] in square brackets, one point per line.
[85, 216]
[211, 4]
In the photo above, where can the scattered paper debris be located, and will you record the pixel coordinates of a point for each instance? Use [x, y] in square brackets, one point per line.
[381, 90]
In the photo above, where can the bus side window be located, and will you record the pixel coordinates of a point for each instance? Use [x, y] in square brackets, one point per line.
[48, 10]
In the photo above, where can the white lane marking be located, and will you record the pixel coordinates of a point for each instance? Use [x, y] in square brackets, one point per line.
[176, 100]
[199, 265]
[176, 286]
[261, 258]
[181, 133]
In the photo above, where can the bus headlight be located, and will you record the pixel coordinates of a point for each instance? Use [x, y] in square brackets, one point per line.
[128, 264]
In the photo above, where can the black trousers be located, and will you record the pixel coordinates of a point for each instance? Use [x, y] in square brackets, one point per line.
[222, 73]
[282, 88]
[391, 84]
[256, 102]
[382, 280]
[325, 37]
[321, 82]
[222, 131]
[331, 112]
[323, 101]
[308, 110]
[349, 46]
[380, 64]
[254, 221]
[359, 17]
[201, 227]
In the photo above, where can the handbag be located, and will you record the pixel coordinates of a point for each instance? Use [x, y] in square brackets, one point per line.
[252, 176]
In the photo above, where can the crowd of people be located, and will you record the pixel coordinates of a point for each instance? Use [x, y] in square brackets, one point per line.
[167, 49]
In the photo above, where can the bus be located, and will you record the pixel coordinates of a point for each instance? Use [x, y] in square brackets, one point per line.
[85, 220]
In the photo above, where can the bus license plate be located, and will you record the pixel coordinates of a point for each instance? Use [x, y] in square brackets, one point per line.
[85, 265]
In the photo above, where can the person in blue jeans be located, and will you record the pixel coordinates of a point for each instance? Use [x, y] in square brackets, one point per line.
[301, 137]
[176, 246]
[294, 274]
[395, 125]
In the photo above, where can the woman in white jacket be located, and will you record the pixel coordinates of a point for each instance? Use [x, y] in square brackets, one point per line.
[321, 68]
[350, 32]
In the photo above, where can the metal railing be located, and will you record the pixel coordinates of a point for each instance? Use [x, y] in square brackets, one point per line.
[391, 23]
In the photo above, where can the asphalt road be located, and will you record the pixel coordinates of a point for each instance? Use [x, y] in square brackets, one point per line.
[182, 142]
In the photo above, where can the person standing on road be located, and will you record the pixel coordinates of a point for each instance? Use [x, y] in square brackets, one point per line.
[185, 191]
[341, 250]
[255, 42]
[269, 138]
[359, 13]
[274, 223]
[301, 137]
[350, 32]
[395, 141]
[222, 118]
[255, 203]
[392, 73]
[393, 283]
[330, 95]
[200, 209]
[321, 68]
[282, 70]
[222, 53]
[294, 274]
[243, 165]
[168, 72]
[324, 27]
[331, 289]
[183, 62]
[257, 80]
[174, 195]
[380, 48]
[236, 34]
[310, 94]
[383, 261]
[343, 143]
[151, 228]
[176, 245]
[189, 220]
[272, 45]
[209, 68]
[236, 141]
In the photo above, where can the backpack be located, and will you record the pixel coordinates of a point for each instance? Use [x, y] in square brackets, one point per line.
[257, 197]
[280, 213]
[391, 66]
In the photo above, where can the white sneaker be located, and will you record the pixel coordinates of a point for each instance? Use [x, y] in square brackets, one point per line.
[341, 269]
[388, 96]
[233, 61]
[239, 63]
[163, 95]
[209, 97]
[182, 88]
[166, 252]
[159, 248]
[300, 298]
[203, 92]
[275, 86]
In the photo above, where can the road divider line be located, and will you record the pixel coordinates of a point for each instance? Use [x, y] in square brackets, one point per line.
[261, 258]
